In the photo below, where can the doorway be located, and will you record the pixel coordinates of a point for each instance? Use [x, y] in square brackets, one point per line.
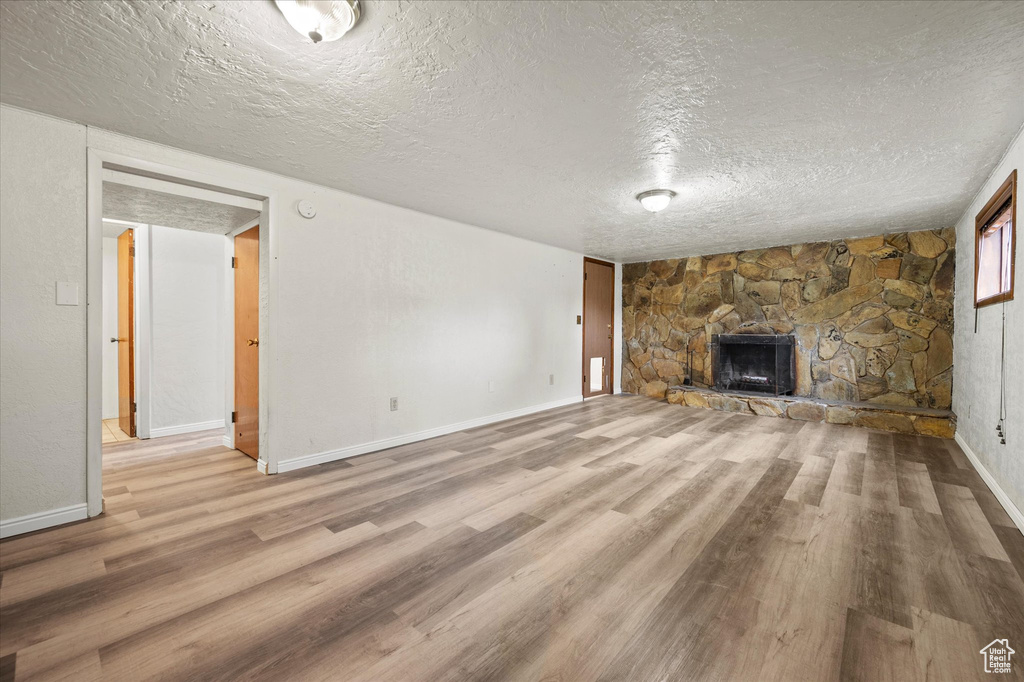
[245, 417]
[598, 333]
[126, 332]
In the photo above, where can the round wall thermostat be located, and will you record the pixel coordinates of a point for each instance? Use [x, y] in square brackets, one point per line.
[307, 209]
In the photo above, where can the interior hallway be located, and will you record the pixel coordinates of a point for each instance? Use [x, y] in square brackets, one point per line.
[621, 538]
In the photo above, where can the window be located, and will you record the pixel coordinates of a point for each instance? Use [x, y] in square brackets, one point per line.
[994, 245]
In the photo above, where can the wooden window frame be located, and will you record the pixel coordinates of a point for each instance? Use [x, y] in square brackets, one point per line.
[1007, 191]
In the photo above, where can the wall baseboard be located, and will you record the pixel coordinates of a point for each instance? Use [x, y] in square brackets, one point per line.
[40, 520]
[226, 440]
[1011, 509]
[364, 448]
[186, 428]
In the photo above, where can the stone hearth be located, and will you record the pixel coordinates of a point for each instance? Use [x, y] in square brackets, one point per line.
[910, 420]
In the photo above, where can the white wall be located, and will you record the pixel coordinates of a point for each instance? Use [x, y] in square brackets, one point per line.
[976, 355]
[110, 406]
[371, 301]
[42, 345]
[186, 298]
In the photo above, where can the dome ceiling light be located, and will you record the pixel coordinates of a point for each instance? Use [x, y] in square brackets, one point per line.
[320, 20]
[655, 200]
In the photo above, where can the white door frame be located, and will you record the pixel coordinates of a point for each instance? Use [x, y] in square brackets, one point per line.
[96, 160]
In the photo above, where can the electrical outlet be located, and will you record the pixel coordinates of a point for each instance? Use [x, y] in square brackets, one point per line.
[394, 404]
[490, 387]
[551, 380]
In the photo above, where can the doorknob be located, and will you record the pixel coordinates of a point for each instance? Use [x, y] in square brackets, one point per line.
[253, 342]
[113, 340]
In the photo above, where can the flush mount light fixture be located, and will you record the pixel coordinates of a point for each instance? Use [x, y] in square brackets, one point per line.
[655, 200]
[320, 19]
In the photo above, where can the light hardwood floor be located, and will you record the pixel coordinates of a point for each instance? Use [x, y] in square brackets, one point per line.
[112, 432]
[620, 539]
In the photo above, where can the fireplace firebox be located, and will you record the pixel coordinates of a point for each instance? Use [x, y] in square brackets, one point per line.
[755, 363]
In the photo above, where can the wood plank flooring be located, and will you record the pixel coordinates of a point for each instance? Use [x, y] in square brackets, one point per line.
[620, 539]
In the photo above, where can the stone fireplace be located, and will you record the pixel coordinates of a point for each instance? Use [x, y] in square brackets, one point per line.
[756, 363]
[871, 319]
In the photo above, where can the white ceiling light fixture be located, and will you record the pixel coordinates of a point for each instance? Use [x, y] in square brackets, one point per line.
[655, 200]
[321, 20]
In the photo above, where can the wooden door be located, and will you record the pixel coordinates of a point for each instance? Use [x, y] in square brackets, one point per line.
[126, 332]
[247, 334]
[598, 318]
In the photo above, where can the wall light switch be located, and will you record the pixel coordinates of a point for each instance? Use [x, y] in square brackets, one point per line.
[67, 293]
[490, 387]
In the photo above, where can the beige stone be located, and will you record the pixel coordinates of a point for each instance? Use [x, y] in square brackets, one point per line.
[839, 415]
[899, 399]
[860, 314]
[790, 294]
[837, 390]
[814, 289]
[911, 342]
[926, 244]
[909, 289]
[776, 258]
[843, 367]
[880, 359]
[675, 397]
[943, 280]
[695, 399]
[721, 311]
[860, 359]
[940, 352]
[669, 295]
[767, 407]
[656, 389]
[753, 271]
[727, 403]
[668, 368]
[876, 325]
[870, 386]
[867, 340]
[721, 262]
[862, 271]
[829, 340]
[804, 384]
[884, 421]
[864, 246]
[917, 269]
[888, 268]
[899, 240]
[763, 293]
[806, 336]
[940, 427]
[939, 390]
[663, 268]
[806, 411]
[837, 304]
[900, 377]
[912, 322]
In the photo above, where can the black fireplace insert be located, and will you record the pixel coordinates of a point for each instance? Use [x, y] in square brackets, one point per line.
[757, 363]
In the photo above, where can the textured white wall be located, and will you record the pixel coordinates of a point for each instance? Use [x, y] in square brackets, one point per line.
[976, 355]
[110, 407]
[373, 301]
[42, 345]
[187, 271]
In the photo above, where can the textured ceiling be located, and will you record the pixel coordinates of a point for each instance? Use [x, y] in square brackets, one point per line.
[122, 202]
[775, 122]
